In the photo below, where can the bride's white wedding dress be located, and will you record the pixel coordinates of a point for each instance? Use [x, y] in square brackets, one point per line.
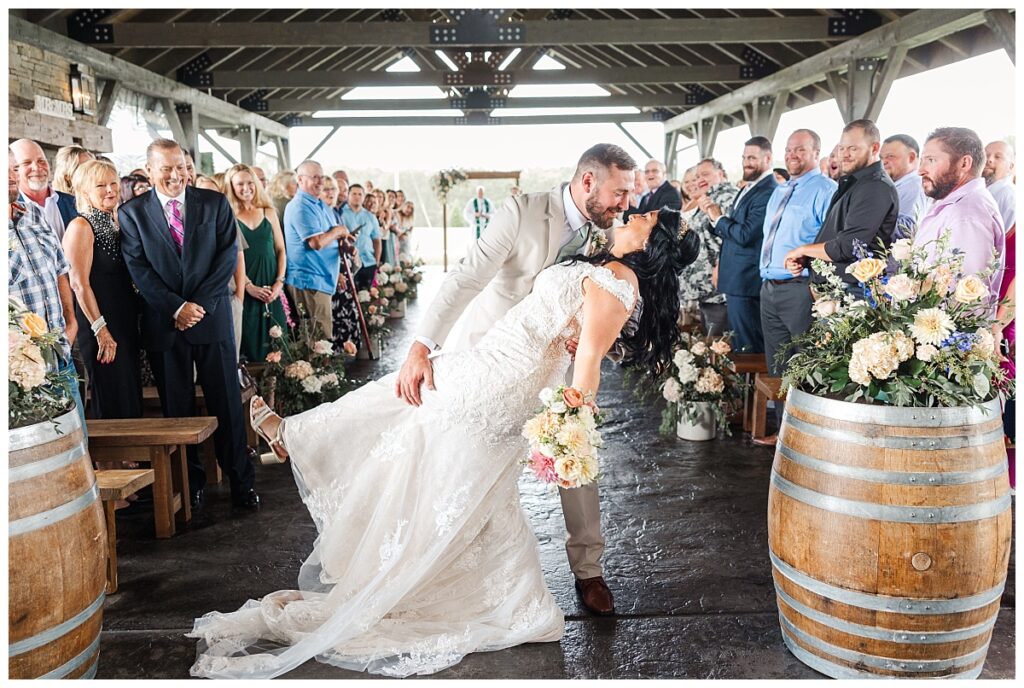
[424, 553]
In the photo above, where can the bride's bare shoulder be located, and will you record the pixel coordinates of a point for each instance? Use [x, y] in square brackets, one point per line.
[623, 272]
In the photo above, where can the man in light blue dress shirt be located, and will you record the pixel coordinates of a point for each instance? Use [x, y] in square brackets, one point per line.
[900, 156]
[795, 213]
[364, 225]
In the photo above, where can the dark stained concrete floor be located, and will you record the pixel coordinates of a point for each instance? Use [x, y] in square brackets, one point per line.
[686, 558]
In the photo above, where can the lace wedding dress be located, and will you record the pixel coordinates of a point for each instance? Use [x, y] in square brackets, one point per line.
[424, 553]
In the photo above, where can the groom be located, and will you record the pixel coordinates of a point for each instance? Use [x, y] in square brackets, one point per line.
[529, 233]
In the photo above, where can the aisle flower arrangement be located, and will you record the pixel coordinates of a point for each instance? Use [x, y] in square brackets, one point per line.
[303, 372]
[411, 271]
[564, 438]
[375, 308]
[920, 336]
[445, 181]
[36, 391]
[702, 377]
[392, 286]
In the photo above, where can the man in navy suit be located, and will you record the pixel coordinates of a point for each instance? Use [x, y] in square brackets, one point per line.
[179, 245]
[57, 208]
[660, 192]
[742, 232]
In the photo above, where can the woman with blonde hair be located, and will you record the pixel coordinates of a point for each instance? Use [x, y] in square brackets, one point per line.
[283, 186]
[265, 261]
[68, 159]
[107, 307]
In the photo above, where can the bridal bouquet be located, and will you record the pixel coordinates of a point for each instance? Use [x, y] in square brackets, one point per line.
[921, 336]
[303, 372]
[564, 438]
[36, 391]
[702, 376]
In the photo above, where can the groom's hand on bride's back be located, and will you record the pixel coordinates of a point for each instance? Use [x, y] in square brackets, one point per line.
[415, 371]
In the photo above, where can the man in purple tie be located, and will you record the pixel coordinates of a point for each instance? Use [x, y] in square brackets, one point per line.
[178, 242]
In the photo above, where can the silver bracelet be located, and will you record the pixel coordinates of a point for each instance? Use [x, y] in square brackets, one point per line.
[98, 324]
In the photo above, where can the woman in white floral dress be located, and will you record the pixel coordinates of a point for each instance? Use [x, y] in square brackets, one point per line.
[424, 553]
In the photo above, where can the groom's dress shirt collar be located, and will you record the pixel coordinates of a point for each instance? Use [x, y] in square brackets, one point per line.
[573, 217]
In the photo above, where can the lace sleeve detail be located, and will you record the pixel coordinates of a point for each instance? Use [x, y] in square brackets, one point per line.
[619, 288]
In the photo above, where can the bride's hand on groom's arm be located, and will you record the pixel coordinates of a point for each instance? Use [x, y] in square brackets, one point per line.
[415, 371]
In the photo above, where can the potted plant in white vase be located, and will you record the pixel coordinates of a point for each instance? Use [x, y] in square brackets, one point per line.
[701, 386]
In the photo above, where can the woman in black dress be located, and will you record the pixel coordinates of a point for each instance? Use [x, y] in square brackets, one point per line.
[107, 305]
[344, 310]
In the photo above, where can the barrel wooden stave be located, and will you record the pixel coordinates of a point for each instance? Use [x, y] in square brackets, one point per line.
[57, 568]
[869, 560]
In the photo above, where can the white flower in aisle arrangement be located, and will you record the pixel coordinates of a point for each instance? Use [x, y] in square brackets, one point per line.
[383, 278]
[389, 292]
[921, 336]
[386, 268]
[363, 296]
[275, 332]
[312, 384]
[323, 347]
[701, 373]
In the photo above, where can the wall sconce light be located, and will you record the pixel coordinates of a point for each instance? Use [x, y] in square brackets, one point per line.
[83, 91]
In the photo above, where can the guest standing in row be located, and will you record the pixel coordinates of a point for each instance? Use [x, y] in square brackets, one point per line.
[265, 260]
[363, 225]
[998, 174]
[180, 244]
[107, 307]
[283, 186]
[900, 156]
[862, 211]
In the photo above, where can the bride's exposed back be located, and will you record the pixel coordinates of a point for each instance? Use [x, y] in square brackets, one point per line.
[424, 553]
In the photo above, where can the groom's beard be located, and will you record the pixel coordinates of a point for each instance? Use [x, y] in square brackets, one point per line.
[601, 216]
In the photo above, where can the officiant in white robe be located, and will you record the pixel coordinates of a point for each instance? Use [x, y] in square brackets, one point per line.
[478, 212]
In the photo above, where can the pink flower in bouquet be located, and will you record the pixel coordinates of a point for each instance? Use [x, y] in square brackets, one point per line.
[543, 467]
[573, 397]
[274, 357]
[349, 348]
[275, 332]
[323, 347]
[371, 309]
[374, 292]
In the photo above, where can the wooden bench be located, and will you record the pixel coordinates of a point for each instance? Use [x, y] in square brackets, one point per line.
[115, 485]
[749, 365]
[151, 409]
[765, 388]
[161, 443]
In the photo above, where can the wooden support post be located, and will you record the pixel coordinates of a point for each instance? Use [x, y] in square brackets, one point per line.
[106, 105]
[247, 139]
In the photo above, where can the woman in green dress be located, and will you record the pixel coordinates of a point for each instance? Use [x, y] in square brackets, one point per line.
[264, 260]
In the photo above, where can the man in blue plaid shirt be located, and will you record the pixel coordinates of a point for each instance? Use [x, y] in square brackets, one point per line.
[39, 274]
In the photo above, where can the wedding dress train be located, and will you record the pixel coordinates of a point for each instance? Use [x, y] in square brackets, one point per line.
[424, 553]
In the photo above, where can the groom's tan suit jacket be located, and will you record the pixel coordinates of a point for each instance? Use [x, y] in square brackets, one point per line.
[499, 270]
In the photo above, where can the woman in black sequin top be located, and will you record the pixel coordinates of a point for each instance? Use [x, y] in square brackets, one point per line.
[104, 294]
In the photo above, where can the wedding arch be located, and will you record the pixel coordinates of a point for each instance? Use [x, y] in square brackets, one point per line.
[449, 179]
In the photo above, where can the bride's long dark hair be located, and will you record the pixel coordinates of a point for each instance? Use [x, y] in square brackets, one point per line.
[657, 269]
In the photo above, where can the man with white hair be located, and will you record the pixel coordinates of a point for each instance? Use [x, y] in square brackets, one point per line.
[57, 209]
[660, 192]
[478, 211]
[998, 174]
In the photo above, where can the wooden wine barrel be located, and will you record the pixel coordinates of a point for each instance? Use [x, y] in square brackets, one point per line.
[889, 534]
[57, 553]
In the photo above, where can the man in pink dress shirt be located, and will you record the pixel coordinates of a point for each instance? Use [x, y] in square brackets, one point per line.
[951, 165]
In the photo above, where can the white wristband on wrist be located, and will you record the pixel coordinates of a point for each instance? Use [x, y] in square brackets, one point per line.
[98, 324]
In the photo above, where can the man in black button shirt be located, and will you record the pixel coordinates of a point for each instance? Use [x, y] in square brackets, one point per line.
[863, 209]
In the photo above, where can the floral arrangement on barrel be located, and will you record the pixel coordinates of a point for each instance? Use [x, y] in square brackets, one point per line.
[303, 372]
[921, 336]
[412, 272]
[445, 181]
[564, 438]
[375, 309]
[702, 377]
[36, 392]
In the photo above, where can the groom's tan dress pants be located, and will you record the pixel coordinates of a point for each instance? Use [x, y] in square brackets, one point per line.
[581, 508]
[584, 543]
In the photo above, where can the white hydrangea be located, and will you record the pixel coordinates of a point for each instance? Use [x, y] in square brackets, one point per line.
[671, 390]
[312, 384]
[688, 373]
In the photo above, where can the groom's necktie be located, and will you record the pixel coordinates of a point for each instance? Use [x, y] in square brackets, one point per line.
[579, 239]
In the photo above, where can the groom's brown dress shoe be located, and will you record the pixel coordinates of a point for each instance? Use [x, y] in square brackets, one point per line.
[595, 596]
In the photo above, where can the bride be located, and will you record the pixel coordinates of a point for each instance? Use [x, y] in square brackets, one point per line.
[424, 553]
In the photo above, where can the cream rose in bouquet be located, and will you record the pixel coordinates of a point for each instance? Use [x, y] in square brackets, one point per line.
[564, 438]
[920, 336]
[36, 391]
[701, 371]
